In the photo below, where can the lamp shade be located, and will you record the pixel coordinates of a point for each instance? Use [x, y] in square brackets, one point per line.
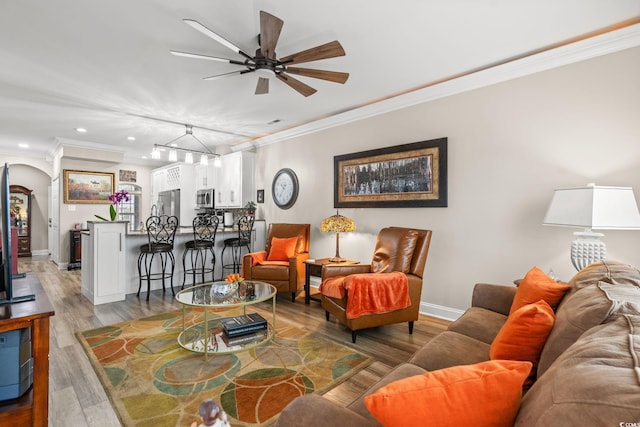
[594, 207]
[338, 224]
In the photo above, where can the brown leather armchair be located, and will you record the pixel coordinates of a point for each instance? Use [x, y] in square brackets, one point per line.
[397, 249]
[285, 276]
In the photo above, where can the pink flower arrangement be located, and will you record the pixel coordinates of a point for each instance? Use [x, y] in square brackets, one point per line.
[115, 199]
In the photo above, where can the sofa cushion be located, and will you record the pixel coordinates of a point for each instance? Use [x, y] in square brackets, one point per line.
[401, 371]
[595, 382]
[523, 335]
[479, 323]
[589, 306]
[282, 248]
[448, 349]
[394, 250]
[536, 285]
[491, 391]
[604, 271]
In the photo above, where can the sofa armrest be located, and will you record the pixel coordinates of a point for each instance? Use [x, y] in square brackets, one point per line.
[496, 298]
[344, 270]
[312, 410]
[297, 268]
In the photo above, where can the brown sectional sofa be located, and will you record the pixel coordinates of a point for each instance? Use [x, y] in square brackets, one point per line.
[589, 369]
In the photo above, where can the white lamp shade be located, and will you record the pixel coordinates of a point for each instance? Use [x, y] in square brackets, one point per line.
[594, 207]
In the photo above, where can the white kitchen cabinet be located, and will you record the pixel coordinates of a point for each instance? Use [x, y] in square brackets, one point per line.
[177, 176]
[235, 180]
[205, 177]
[103, 261]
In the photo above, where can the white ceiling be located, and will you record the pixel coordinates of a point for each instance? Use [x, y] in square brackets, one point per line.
[105, 65]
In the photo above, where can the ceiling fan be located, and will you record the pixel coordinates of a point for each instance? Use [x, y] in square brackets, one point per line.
[266, 64]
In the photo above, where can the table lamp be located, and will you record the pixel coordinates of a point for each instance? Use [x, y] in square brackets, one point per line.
[338, 224]
[592, 207]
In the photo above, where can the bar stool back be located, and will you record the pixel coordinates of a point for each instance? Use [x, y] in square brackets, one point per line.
[198, 249]
[161, 231]
[236, 244]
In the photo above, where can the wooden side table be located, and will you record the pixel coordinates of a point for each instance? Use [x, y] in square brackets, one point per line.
[313, 267]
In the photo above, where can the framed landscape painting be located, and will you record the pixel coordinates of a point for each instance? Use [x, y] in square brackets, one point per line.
[408, 175]
[88, 187]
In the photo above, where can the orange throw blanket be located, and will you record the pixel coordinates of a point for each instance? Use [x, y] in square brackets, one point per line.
[260, 258]
[369, 293]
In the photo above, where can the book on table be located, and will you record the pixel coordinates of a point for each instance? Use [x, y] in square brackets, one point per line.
[248, 338]
[241, 325]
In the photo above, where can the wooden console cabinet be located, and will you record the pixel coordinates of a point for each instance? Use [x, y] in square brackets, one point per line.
[32, 409]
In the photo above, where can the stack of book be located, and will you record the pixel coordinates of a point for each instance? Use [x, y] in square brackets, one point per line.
[242, 329]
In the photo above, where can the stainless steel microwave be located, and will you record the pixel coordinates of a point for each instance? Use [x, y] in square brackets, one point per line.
[205, 198]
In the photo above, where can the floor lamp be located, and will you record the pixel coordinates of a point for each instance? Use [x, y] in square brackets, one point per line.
[592, 207]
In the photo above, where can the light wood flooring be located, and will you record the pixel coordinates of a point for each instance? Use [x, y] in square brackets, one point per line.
[76, 397]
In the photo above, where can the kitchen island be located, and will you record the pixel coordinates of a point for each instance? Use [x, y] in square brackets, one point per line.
[130, 247]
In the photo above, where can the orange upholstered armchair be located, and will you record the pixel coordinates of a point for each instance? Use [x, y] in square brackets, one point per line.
[282, 261]
[384, 292]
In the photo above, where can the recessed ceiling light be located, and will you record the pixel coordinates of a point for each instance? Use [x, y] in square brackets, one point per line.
[81, 130]
[23, 145]
[131, 138]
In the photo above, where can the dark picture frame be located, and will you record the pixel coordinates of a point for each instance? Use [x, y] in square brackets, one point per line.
[407, 175]
[260, 196]
[88, 187]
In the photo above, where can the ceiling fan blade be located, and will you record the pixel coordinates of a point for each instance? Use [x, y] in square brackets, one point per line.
[332, 76]
[270, 27]
[303, 88]
[207, 32]
[219, 76]
[263, 86]
[325, 51]
[210, 58]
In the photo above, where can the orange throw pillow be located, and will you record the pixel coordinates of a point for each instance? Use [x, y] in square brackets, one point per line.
[536, 285]
[282, 249]
[487, 393]
[524, 333]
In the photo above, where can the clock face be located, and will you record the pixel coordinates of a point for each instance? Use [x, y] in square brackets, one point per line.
[285, 188]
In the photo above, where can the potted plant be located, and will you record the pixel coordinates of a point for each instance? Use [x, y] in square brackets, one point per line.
[250, 207]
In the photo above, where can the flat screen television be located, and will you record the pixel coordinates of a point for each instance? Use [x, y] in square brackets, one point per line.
[6, 281]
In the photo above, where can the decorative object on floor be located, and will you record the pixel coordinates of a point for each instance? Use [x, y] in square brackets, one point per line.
[151, 380]
[595, 208]
[285, 188]
[212, 415]
[402, 176]
[265, 63]
[337, 224]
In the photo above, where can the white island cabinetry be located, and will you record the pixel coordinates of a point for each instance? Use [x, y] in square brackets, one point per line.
[104, 261]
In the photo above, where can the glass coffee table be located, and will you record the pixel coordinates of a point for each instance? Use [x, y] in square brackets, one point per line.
[207, 336]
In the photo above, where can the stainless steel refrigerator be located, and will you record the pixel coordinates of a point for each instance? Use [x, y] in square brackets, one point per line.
[169, 203]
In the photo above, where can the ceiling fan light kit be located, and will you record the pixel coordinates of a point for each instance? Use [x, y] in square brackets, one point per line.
[265, 62]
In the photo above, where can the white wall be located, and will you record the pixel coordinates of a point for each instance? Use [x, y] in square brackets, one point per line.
[509, 146]
[72, 213]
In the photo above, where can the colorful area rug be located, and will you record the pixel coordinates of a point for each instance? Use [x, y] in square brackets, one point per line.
[152, 381]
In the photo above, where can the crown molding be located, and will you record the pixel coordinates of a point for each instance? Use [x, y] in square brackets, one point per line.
[544, 59]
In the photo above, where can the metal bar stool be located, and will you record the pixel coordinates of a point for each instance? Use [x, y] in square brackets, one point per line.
[161, 231]
[245, 227]
[198, 249]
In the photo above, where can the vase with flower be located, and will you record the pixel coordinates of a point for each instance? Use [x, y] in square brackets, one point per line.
[116, 199]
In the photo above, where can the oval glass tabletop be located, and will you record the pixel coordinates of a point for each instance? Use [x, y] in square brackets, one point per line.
[216, 294]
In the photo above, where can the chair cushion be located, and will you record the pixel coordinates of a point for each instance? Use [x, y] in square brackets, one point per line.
[524, 334]
[394, 250]
[282, 249]
[536, 286]
[490, 391]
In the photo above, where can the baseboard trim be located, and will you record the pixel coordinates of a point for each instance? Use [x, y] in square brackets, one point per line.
[40, 252]
[440, 311]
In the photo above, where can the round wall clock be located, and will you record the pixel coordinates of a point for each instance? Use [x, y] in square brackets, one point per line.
[285, 188]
